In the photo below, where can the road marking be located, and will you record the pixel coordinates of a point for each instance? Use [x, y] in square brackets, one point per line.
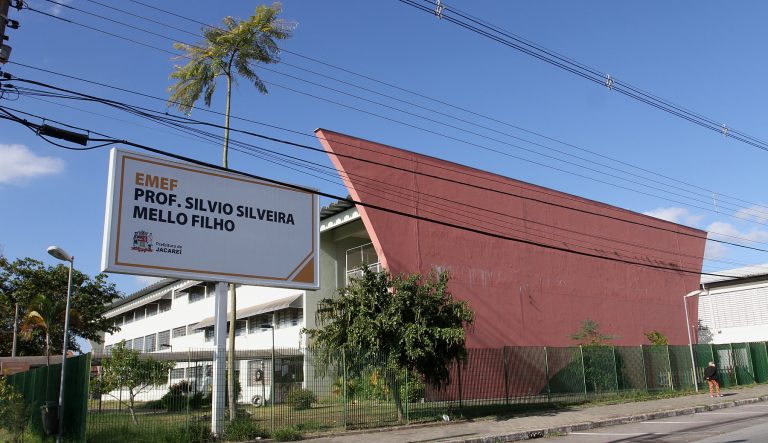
[674, 422]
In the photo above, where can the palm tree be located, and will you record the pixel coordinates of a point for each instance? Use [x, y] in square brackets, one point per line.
[227, 52]
[44, 314]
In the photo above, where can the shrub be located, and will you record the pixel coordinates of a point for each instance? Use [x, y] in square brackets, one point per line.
[287, 434]
[243, 429]
[300, 398]
[13, 410]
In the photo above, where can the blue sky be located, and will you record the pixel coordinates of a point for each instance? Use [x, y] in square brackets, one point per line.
[701, 55]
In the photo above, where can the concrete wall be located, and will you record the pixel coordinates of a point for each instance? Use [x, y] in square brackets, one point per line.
[522, 294]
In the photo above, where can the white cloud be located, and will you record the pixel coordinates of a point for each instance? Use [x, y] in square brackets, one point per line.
[756, 213]
[729, 232]
[715, 250]
[675, 215]
[19, 163]
[57, 8]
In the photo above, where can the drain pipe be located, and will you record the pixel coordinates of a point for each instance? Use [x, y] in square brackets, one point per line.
[690, 342]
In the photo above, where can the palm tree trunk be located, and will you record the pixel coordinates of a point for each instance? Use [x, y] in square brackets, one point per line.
[48, 348]
[232, 290]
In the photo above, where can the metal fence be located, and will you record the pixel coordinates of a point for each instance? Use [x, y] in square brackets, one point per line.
[294, 389]
[41, 385]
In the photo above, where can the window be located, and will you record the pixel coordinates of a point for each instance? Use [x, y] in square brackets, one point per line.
[195, 373]
[177, 373]
[152, 309]
[191, 329]
[107, 349]
[359, 256]
[150, 343]
[255, 372]
[164, 305]
[240, 327]
[139, 313]
[208, 334]
[210, 289]
[163, 338]
[196, 293]
[255, 322]
[181, 331]
[138, 343]
[128, 318]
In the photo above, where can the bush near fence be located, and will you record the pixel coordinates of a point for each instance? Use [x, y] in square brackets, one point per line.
[310, 396]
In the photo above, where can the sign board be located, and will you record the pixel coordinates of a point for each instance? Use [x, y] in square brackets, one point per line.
[172, 219]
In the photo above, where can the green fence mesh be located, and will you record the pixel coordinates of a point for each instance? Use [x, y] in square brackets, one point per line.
[296, 389]
[41, 385]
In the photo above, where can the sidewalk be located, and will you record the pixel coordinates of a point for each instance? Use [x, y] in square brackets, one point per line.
[556, 421]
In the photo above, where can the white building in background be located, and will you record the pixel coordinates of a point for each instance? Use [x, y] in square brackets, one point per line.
[734, 309]
[175, 317]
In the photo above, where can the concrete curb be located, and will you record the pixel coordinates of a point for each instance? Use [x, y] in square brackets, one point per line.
[558, 430]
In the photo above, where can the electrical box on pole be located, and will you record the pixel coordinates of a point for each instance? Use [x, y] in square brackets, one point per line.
[5, 22]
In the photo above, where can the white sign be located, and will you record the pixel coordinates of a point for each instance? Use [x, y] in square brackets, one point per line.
[178, 220]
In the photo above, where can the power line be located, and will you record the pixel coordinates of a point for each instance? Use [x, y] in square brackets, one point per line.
[376, 207]
[508, 39]
[754, 209]
[311, 148]
[274, 139]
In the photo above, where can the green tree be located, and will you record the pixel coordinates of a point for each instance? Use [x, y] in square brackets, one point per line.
[657, 338]
[26, 281]
[228, 52]
[396, 323]
[42, 314]
[128, 369]
[590, 335]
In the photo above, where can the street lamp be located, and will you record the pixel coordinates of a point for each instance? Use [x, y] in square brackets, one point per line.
[690, 342]
[60, 254]
[272, 376]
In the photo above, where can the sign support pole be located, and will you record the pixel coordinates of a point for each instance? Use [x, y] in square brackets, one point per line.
[219, 358]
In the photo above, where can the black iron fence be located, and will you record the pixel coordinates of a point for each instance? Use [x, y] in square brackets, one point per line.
[293, 390]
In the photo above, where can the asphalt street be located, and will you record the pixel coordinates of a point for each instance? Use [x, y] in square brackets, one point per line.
[742, 424]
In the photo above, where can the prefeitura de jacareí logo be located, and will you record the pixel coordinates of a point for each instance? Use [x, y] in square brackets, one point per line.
[142, 241]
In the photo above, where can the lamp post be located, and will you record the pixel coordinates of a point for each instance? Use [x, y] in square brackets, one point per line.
[690, 342]
[272, 376]
[62, 255]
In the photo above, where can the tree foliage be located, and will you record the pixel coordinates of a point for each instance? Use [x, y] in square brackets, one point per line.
[394, 322]
[43, 289]
[590, 335]
[657, 338]
[128, 369]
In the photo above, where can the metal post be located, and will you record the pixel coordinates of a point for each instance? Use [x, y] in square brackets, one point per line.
[272, 394]
[583, 371]
[690, 342]
[15, 330]
[669, 365]
[219, 358]
[344, 385]
[505, 361]
[615, 368]
[645, 373]
[407, 397]
[546, 374]
[733, 364]
[60, 435]
[461, 406]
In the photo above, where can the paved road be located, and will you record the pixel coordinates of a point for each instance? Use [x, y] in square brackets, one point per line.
[748, 423]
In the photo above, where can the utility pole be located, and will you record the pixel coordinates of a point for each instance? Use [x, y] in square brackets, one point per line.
[5, 22]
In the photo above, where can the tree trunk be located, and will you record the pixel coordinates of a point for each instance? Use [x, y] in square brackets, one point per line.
[131, 396]
[232, 290]
[48, 348]
[394, 388]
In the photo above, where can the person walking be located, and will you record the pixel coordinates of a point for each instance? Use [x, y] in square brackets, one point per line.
[710, 375]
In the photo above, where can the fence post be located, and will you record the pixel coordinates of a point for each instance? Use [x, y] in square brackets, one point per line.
[407, 397]
[583, 371]
[734, 364]
[461, 406]
[344, 387]
[505, 360]
[750, 365]
[546, 374]
[615, 368]
[669, 365]
[645, 373]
